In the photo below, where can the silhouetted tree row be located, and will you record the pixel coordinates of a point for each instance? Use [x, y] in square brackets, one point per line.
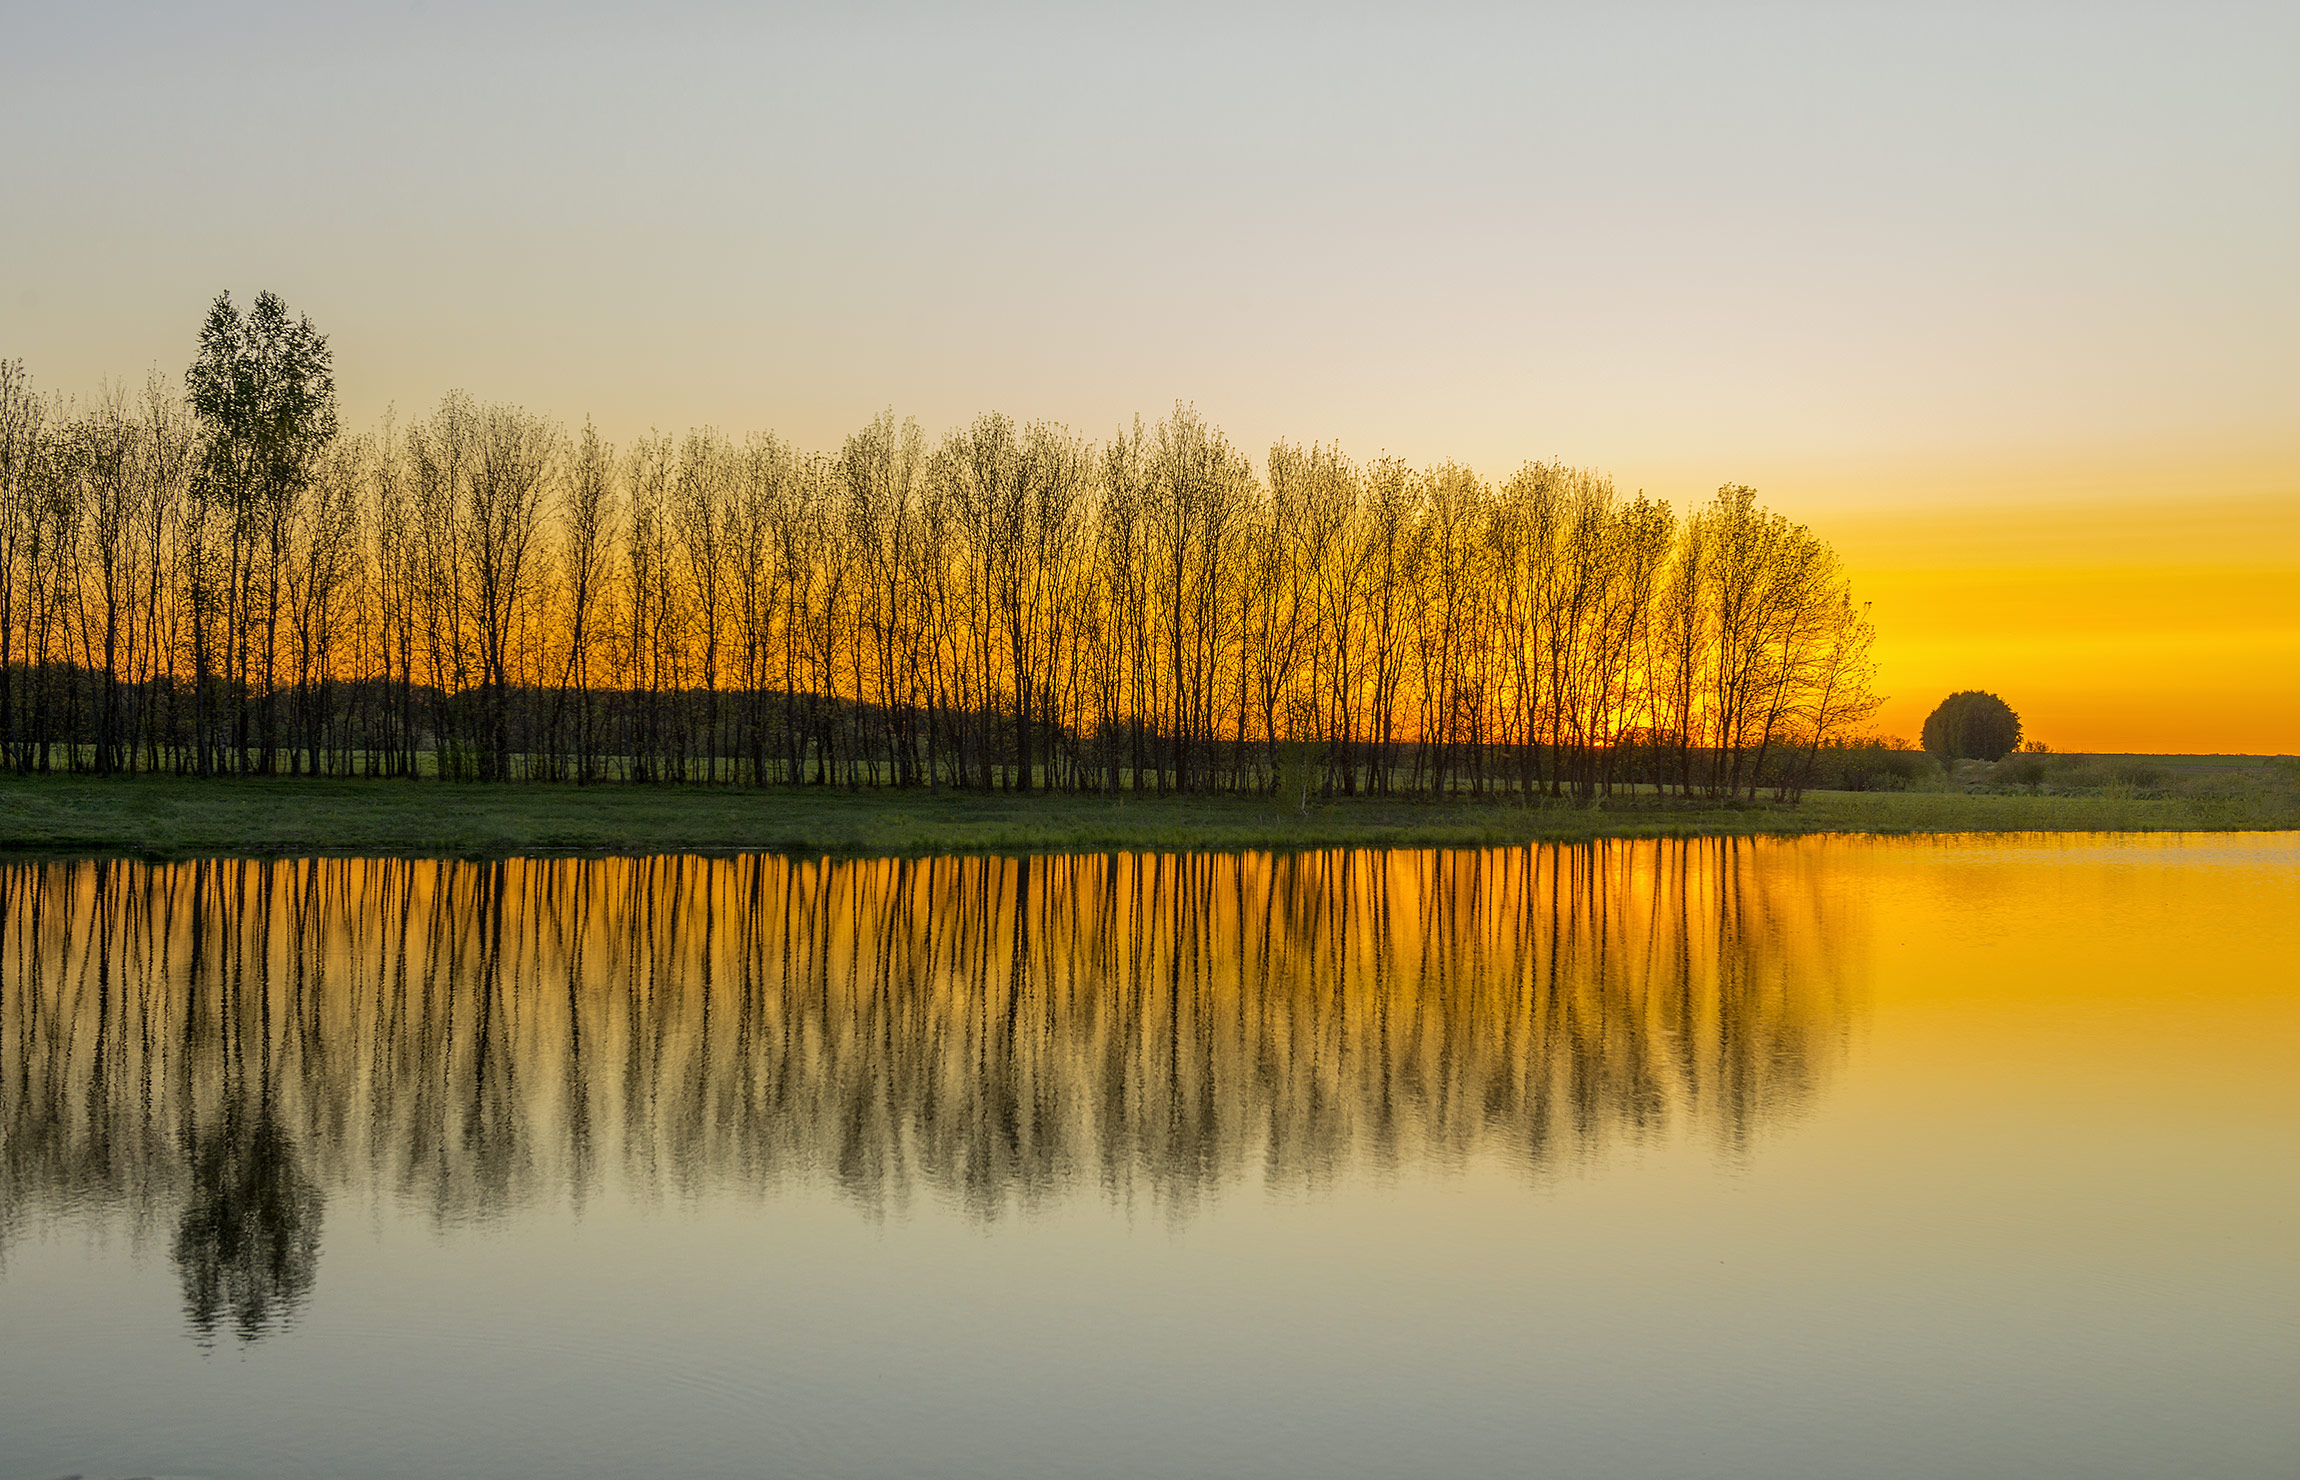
[218, 582]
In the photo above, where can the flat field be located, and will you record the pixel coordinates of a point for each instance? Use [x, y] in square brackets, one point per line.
[157, 816]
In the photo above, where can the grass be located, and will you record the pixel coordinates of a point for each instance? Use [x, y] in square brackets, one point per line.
[166, 817]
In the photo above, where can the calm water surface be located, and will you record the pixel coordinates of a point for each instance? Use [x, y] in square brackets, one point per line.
[1814, 1158]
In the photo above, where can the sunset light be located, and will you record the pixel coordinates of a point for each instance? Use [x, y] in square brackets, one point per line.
[1017, 741]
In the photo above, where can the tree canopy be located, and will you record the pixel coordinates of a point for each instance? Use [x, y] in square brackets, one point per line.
[263, 388]
[1972, 725]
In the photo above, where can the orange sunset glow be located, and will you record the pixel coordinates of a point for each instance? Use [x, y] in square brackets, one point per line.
[2125, 625]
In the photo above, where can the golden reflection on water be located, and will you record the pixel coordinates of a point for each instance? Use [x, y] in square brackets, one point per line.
[206, 1052]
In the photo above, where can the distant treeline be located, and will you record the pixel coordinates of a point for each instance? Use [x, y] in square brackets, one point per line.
[218, 581]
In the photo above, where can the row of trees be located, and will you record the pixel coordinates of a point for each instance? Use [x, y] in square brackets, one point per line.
[220, 582]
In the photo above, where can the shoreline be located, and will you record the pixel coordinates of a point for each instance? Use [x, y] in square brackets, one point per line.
[149, 817]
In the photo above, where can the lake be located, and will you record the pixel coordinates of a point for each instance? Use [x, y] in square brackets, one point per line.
[1817, 1157]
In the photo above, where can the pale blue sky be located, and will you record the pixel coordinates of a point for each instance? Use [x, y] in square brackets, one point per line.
[1846, 252]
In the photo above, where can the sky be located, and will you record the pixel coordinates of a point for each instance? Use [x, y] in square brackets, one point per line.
[2000, 298]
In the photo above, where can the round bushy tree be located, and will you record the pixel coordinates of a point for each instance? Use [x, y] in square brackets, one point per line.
[1972, 726]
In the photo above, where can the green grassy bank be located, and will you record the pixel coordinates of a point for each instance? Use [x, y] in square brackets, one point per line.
[165, 817]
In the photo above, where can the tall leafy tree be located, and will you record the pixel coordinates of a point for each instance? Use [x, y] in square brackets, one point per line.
[262, 387]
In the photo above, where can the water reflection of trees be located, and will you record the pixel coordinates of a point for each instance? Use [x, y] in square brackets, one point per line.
[207, 1046]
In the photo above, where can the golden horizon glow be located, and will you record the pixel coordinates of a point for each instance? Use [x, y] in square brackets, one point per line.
[2121, 626]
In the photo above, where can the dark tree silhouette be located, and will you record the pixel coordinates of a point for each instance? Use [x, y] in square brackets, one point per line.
[1972, 725]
